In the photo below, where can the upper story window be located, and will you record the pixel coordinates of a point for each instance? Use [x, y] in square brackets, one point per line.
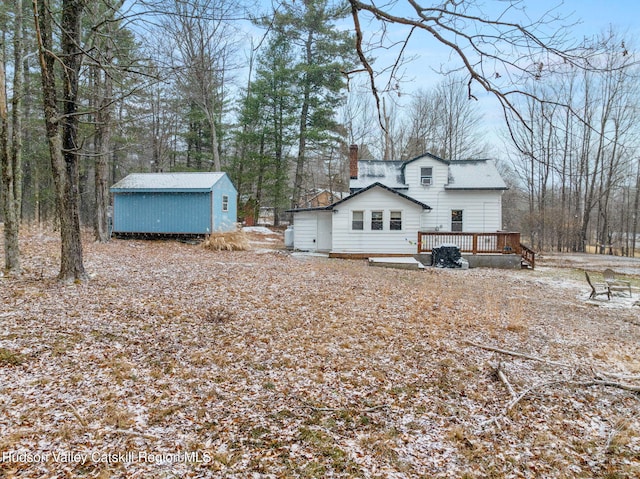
[225, 203]
[426, 176]
[357, 220]
[376, 221]
[395, 220]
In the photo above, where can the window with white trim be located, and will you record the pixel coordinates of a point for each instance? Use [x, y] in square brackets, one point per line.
[377, 221]
[456, 220]
[426, 176]
[395, 220]
[225, 203]
[357, 220]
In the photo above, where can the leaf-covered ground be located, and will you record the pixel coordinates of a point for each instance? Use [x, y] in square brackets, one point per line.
[177, 361]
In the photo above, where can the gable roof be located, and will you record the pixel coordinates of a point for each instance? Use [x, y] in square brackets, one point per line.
[316, 195]
[167, 182]
[419, 157]
[463, 174]
[359, 192]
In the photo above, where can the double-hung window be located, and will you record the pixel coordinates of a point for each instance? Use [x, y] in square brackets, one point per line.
[357, 220]
[225, 203]
[376, 221]
[395, 220]
[456, 220]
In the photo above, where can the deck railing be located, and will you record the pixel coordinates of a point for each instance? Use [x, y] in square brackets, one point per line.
[528, 256]
[475, 243]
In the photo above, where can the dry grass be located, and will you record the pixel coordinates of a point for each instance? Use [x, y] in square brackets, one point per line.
[9, 358]
[228, 241]
[270, 365]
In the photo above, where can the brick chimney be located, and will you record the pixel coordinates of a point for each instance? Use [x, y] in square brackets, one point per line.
[353, 162]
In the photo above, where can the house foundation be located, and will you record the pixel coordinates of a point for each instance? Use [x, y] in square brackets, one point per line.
[499, 261]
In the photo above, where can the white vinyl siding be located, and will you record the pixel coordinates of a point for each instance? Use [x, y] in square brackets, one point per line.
[306, 234]
[346, 240]
[413, 175]
[482, 211]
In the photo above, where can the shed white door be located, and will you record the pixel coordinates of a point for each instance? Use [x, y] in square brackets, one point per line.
[324, 232]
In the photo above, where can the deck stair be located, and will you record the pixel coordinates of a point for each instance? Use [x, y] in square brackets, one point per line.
[528, 260]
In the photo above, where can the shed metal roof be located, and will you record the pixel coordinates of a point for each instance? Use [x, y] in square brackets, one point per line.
[170, 182]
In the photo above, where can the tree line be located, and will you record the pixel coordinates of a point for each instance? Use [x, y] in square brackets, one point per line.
[92, 91]
[579, 163]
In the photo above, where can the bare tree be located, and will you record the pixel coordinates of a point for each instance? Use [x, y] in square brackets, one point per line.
[422, 123]
[443, 121]
[610, 110]
[11, 146]
[355, 116]
[575, 161]
[62, 127]
[636, 213]
[102, 74]
[202, 39]
[495, 53]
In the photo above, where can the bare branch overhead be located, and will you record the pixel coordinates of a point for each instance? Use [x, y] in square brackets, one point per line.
[495, 44]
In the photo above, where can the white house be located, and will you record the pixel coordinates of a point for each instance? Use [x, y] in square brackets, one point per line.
[391, 201]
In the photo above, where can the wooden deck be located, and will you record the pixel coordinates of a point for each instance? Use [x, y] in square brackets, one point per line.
[478, 243]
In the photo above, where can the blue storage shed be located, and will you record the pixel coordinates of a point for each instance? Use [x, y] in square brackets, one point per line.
[174, 203]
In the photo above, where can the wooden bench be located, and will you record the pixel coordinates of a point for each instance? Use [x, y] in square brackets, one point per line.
[616, 284]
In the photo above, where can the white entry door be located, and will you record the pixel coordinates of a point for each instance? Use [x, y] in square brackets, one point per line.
[324, 231]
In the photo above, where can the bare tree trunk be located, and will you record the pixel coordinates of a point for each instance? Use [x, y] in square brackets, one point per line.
[71, 267]
[10, 157]
[103, 140]
[304, 121]
[302, 148]
[636, 211]
[386, 156]
[215, 152]
[101, 229]
[63, 151]
[11, 248]
[16, 103]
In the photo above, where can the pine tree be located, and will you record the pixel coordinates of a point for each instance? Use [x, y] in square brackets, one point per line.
[323, 53]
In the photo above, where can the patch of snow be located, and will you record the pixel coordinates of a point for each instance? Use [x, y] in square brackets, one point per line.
[402, 260]
[399, 260]
[616, 301]
[306, 254]
[258, 229]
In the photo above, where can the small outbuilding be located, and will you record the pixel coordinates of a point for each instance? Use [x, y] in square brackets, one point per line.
[174, 203]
